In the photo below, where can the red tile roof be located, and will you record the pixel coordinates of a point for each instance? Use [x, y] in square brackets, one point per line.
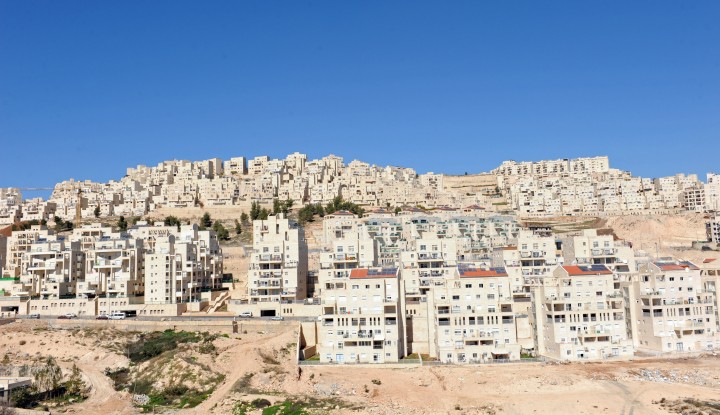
[583, 270]
[680, 266]
[709, 260]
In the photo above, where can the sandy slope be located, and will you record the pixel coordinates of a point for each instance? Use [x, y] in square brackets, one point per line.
[535, 388]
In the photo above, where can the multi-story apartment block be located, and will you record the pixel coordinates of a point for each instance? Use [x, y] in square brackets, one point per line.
[671, 309]
[712, 229]
[236, 166]
[589, 248]
[51, 269]
[19, 243]
[712, 193]
[361, 320]
[3, 259]
[278, 267]
[346, 254]
[693, 199]
[94, 269]
[180, 264]
[578, 313]
[473, 316]
[114, 265]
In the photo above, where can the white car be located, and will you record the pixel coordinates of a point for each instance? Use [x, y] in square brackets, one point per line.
[245, 314]
[277, 318]
[70, 315]
[117, 315]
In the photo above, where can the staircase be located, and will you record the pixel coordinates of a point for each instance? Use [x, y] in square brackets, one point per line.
[219, 301]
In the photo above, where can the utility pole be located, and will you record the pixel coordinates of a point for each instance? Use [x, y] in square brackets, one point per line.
[656, 252]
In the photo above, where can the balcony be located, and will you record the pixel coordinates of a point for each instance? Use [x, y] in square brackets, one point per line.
[270, 258]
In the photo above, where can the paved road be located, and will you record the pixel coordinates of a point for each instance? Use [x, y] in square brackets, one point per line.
[208, 317]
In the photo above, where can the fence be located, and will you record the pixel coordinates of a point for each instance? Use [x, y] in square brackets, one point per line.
[486, 362]
[424, 362]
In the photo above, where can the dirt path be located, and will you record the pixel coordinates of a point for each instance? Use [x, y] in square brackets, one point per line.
[103, 399]
[241, 359]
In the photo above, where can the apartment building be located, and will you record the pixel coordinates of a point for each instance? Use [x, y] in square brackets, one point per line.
[51, 269]
[712, 192]
[361, 319]
[179, 264]
[426, 266]
[347, 253]
[589, 248]
[671, 308]
[114, 265]
[712, 229]
[474, 318]
[337, 224]
[693, 199]
[95, 270]
[19, 243]
[578, 314]
[554, 167]
[278, 266]
[3, 250]
[710, 277]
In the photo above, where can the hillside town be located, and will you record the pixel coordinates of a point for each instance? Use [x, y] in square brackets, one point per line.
[583, 186]
[412, 267]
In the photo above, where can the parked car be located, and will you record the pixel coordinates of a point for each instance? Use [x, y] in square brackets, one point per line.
[245, 314]
[117, 315]
[34, 315]
[70, 315]
[102, 317]
[277, 318]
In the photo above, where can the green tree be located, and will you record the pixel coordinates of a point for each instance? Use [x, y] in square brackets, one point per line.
[59, 224]
[276, 207]
[243, 217]
[238, 228]
[254, 211]
[171, 221]
[220, 230]
[264, 213]
[75, 385]
[48, 377]
[96, 212]
[22, 398]
[206, 221]
[286, 206]
[122, 224]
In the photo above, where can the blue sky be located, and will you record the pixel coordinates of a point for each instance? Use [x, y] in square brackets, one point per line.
[88, 88]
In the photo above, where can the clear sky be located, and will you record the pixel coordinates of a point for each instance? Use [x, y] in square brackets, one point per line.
[88, 88]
